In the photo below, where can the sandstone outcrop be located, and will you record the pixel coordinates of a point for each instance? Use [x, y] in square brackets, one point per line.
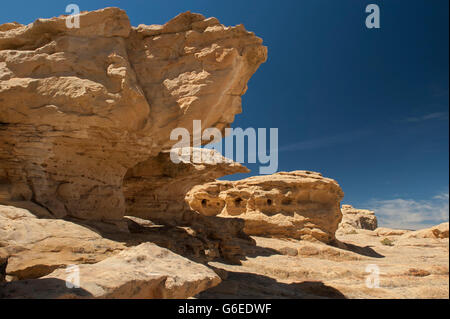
[80, 107]
[384, 231]
[144, 271]
[353, 218]
[280, 268]
[198, 237]
[35, 247]
[299, 204]
[155, 189]
[439, 232]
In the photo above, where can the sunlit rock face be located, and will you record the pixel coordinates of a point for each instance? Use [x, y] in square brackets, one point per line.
[298, 204]
[81, 107]
[353, 218]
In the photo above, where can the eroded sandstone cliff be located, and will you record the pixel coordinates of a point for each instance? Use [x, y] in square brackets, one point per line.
[80, 107]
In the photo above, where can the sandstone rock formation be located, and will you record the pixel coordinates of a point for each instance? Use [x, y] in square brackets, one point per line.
[353, 218]
[439, 232]
[35, 247]
[384, 231]
[144, 271]
[85, 169]
[299, 204]
[155, 189]
[80, 107]
[280, 268]
[31, 247]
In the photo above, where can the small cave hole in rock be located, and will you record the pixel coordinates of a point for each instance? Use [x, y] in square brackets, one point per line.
[269, 202]
[204, 202]
[237, 202]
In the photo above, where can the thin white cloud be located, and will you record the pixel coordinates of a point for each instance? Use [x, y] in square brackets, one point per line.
[427, 117]
[411, 214]
[327, 141]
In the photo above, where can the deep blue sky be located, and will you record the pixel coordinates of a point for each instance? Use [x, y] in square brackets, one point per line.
[368, 108]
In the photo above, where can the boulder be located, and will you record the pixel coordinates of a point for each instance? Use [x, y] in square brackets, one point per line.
[353, 218]
[438, 232]
[144, 271]
[298, 204]
[35, 247]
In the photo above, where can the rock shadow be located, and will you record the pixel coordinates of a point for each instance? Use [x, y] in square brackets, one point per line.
[42, 288]
[196, 237]
[364, 251]
[238, 285]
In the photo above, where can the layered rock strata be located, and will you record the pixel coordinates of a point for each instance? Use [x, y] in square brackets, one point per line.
[35, 247]
[299, 204]
[144, 271]
[155, 189]
[80, 107]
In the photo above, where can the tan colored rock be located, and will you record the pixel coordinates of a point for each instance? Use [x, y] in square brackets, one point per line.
[198, 237]
[438, 232]
[155, 189]
[79, 107]
[35, 247]
[353, 218]
[383, 231]
[419, 268]
[299, 204]
[144, 271]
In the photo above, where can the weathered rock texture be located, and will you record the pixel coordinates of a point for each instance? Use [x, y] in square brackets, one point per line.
[198, 237]
[353, 218]
[155, 189]
[144, 271]
[439, 232]
[31, 247]
[415, 267]
[299, 204]
[36, 247]
[79, 107]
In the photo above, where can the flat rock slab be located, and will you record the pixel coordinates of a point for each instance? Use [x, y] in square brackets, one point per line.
[36, 247]
[144, 271]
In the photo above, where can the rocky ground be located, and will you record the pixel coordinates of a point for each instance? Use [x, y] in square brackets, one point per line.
[280, 268]
[411, 264]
